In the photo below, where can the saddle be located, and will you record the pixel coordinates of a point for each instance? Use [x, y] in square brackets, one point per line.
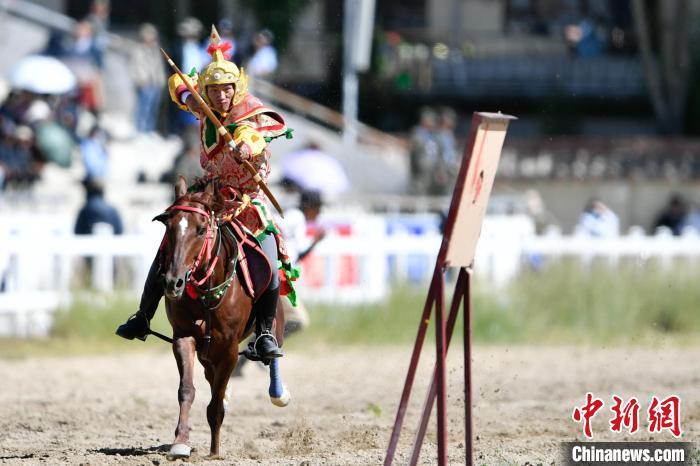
[252, 266]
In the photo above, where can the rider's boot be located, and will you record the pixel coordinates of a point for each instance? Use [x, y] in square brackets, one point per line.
[138, 325]
[266, 310]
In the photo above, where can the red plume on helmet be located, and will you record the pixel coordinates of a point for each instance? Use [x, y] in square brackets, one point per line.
[224, 47]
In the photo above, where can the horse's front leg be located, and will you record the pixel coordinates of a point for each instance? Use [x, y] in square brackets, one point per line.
[218, 379]
[184, 351]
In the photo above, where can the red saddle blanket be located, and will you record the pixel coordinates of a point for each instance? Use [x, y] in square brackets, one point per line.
[255, 271]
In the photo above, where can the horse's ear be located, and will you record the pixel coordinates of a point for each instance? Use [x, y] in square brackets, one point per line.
[211, 188]
[180, 187]
[161, 217]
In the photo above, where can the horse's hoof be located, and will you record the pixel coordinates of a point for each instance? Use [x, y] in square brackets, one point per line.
[179, 450]
[284, 399]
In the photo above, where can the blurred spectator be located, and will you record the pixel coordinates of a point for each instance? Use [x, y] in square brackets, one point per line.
[674, 215]
[424, 152]
[446, 137]
[536, 210]
[188, 55]
[263, 63]
[18, 156]
[447, 163]
[599, 220]
[15, 106]
[82, 44]
[83, 56]
[186, 164]
[296, 222]
[99, 24]
[93, 152]
[584, 38]
[96, 210]
[148, 73]
[56, 45]
[294, 226]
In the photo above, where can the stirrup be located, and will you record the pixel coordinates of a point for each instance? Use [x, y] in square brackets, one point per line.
[276, 351]
[251, 351]
[125, 326]
[266, 333]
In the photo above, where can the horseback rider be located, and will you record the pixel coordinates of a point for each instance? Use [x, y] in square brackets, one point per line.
[224, 88]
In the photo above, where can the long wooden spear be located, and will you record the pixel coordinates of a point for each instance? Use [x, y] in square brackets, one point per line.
[223, 132]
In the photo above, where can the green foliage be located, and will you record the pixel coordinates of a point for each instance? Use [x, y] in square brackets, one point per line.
[564, 303]
[628, 303]
[97, 316]
[374, 409]
[87, 326]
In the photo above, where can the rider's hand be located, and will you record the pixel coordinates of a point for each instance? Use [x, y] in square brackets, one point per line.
[242, 153]
[192, 104]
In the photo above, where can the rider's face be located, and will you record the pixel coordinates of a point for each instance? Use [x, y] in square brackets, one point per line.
[220, 96]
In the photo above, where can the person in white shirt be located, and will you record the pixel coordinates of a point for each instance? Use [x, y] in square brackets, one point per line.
[263, 63]
[299, 245]
[599, 220]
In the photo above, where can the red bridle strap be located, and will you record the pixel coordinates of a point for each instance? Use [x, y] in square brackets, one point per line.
[189, 209]
[204, 253]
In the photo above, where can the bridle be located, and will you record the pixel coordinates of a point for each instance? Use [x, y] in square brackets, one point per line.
[210, 297]
[204, 255]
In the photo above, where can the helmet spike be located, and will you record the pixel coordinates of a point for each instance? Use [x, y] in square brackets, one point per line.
[214, 36]
[215, 48]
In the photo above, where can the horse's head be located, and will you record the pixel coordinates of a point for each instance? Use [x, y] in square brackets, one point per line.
[190, 225]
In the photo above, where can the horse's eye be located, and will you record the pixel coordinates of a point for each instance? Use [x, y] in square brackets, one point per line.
[201, 231]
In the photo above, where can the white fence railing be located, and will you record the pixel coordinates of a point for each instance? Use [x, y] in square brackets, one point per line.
[38, 270]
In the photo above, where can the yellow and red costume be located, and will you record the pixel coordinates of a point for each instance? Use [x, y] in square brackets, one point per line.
[252, 126]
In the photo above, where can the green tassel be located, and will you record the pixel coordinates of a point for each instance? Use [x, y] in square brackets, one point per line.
[292, 273]
[193, 72]
[287, 134]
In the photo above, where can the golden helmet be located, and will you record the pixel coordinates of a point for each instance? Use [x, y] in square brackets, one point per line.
[222, 71]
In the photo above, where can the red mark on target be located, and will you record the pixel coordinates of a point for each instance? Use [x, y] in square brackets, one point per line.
[477, 182]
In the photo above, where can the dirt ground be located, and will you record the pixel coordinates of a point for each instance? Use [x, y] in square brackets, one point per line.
[122, 409]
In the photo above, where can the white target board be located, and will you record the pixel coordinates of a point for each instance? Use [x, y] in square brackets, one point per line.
[473, 186]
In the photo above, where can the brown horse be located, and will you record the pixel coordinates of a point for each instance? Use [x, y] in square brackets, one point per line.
[199, 256]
